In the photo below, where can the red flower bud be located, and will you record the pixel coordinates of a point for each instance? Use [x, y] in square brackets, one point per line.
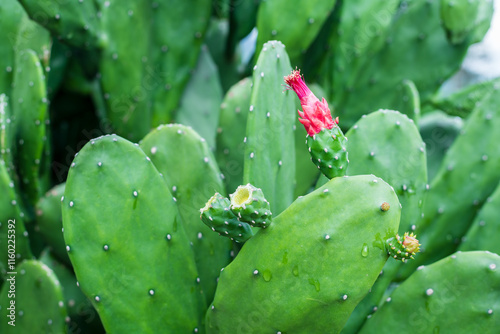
[316, 115]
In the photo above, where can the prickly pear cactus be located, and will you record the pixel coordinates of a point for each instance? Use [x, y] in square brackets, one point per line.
[270, 148]
[438, 131]
[295, 24]
[230, 149]
[468, 175]
[250, 205]
[463, 102]
[484, 231]
[261, 294]
[457, 294]
[170, 147]
[388, 144]
[38, 301]
[217, 215]
[138, 256]
[75, 23]
[462, 18]
[81, 314]
[325, 140]
[201, 99]
[13, 234]
[31, 108]
[49, 221]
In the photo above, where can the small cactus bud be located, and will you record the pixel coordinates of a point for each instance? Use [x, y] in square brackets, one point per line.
[327, 144]
[217, 215]
[316, 115]
[403, 248]
[250, 205]
[410, 242]
[385, 206]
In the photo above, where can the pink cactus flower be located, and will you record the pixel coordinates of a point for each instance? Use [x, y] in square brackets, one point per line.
[316, 115]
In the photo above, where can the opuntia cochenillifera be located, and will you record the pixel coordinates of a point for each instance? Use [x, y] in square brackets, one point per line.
[326, 141]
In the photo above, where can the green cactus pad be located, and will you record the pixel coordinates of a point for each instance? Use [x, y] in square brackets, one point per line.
[49, 221]
[270, 147]
[484, 231]
[250, 205]
[464, 19]
[458, 294]
[38, 301]
[328, 150]
[178, 30]
[30, 105]
[230, 149]
[296, 24]
[468, 175]
[438, 131]
[217, 215]
[137, 267]
[190, 170]
[124, 78]
[463, 102]
[75, 23]
[201, 100]
[371, 78]
[16, 243]
[340, 226]
[82, 315]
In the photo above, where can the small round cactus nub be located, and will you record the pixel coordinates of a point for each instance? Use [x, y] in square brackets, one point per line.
[250, 205]
[403, 248]
[385, 206]
[218, 216]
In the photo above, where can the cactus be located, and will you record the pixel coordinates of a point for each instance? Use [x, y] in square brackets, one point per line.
[326, 295]
[11, 219]
[30, 107]
[483, 233]
[82, 317]
[250, 205]
[201, 100]
[231, 133]
[375, 76]
[49, 221]
[172, 146]
[129, 214]
[294, 24]
[463, 102]
[438, 132]
[326, 142]
[217, 215]
[458, 293]
[407, 100]
[465, 19]
[306, 173]
[468, 175]
[75, 23]
[269, 153]
[360, 35]
[32, 301]
[387, 144]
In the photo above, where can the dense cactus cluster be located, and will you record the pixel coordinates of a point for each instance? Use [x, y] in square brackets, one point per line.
[156, 176]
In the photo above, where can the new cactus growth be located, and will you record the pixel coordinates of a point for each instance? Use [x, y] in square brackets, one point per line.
[218, 216]
[126, 223]
[403, 248]
[326, 142]
[250, 205]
